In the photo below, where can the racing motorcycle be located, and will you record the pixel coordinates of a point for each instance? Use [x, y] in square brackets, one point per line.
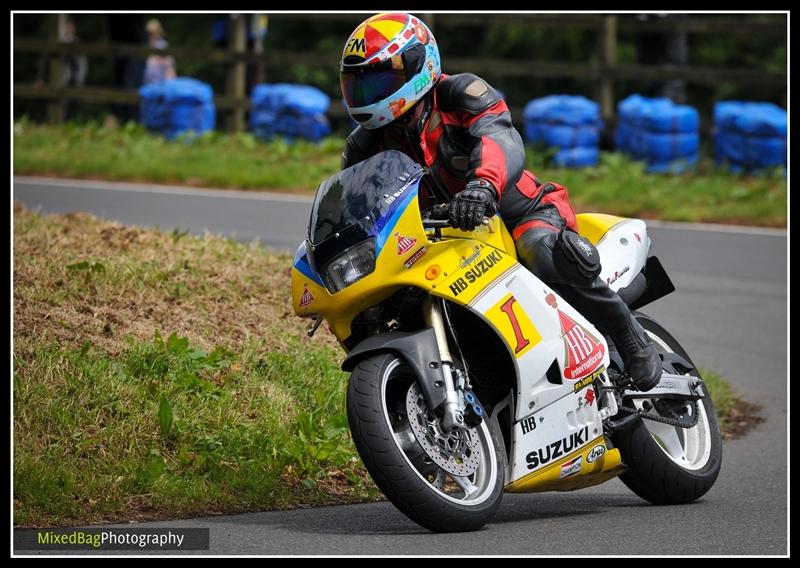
[471, 377]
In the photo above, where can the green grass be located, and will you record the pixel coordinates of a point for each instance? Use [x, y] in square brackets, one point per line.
[159, 375]
[736, 416]
[168, 429]
[621, 186]
[131, 153]
[617, 185]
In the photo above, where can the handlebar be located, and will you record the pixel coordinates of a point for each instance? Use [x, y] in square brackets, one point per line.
[438, 217]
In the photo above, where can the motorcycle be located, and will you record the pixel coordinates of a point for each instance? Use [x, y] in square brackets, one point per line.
[471, 377]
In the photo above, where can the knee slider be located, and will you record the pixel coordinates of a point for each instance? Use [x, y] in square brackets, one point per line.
[575, 258]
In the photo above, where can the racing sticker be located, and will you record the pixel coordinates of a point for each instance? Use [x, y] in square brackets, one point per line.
[558, 448]
[571, 467]
[404, 244]
[412, 260]
[307, 297]
[584, 352]
[514, 325]
[586, 381]
[397, 107]
[372, 36]
[596, 453]
[617, 273]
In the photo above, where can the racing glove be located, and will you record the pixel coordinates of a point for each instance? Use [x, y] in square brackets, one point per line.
[468, 208]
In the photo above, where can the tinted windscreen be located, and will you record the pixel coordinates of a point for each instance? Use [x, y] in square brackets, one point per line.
[357, 197]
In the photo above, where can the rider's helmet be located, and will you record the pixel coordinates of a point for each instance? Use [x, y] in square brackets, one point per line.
[388, 64]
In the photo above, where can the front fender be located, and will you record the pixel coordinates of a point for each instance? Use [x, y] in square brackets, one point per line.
[420, 351]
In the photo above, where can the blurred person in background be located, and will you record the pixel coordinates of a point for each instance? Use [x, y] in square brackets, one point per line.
[460, 129]
[158, 67]
[73, 67]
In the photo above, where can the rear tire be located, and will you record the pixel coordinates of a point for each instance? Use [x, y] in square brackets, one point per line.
[376, 412]
[669, 465]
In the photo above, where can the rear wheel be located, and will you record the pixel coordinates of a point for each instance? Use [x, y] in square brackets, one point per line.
[669, 464]
[446, 482]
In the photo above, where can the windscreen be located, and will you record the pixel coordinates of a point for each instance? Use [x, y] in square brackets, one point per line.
[355, 199]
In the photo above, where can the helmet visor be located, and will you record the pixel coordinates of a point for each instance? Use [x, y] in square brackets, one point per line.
[364, 86]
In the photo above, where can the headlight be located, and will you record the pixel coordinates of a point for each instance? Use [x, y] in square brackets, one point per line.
[350, 266]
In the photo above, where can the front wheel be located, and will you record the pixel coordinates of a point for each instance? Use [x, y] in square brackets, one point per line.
[669, 464]
[446, 482]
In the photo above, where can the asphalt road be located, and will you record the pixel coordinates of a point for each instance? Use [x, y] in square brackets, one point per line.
[729, 311]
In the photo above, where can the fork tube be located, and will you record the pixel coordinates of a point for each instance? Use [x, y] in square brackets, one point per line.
[433, 318]
[453, 414]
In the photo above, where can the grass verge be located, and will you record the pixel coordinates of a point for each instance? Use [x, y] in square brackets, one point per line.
[736, 416]
[617, 185]
[159, 375]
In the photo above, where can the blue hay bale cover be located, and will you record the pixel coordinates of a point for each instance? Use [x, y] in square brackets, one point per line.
[563, 109]
[177, 106]
[658, 131]
[656, 146]
[750, 135]
[750, 150]
[289, 110]
[570, 123]
[754, 119]
[658, 115]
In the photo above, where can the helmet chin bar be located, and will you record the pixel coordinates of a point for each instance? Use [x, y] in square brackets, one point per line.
[414, 120]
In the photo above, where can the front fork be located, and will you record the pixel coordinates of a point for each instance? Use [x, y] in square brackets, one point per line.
[458, 398]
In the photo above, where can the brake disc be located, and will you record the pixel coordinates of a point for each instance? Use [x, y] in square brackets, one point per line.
[457, 452]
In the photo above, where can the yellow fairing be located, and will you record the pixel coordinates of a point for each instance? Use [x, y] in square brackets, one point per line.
[548, 478]
[460, 269]
[594, 226]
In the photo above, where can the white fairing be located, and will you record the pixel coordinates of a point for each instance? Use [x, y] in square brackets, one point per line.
[623, 252]
[559, 410]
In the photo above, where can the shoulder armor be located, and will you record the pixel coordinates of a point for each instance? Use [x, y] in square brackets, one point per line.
[465, 92]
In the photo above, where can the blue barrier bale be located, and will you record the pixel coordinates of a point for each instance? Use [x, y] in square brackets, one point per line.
[177, 106]
[750, 136]
[291, 111]
[658, 115]
[570, 123]
[664, 135]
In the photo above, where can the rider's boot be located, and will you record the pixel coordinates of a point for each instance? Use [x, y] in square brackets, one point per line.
[639, 353]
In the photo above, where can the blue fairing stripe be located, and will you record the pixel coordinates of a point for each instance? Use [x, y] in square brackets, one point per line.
[384, 233]
[301, 264]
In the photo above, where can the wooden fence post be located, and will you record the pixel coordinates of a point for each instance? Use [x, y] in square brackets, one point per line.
[608, 59]
[237, 73]
[56, 107]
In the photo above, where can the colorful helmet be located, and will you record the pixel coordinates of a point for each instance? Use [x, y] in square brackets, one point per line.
[388, 64]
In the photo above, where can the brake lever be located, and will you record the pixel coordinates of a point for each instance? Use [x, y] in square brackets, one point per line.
[312, 329]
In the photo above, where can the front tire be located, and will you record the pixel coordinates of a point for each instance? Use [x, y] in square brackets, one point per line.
[670, 465]
[402, 469]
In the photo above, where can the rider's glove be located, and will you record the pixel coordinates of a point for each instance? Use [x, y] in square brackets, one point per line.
[470, 206]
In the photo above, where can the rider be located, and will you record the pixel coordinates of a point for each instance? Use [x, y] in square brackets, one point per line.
[460, 129]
